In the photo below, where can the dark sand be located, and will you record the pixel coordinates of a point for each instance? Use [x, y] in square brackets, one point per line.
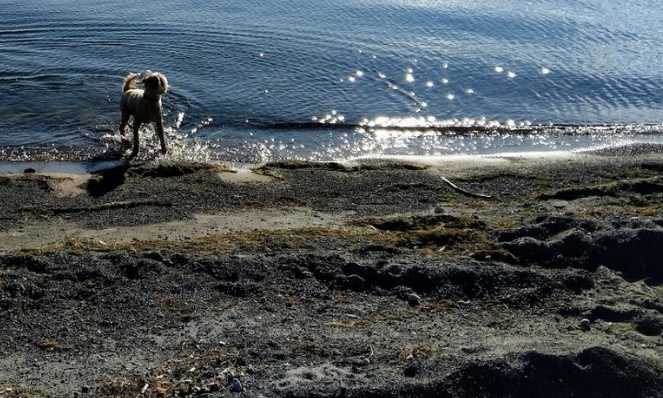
[374, 279]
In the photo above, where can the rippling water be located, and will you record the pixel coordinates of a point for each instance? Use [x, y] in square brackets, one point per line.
[312, 79]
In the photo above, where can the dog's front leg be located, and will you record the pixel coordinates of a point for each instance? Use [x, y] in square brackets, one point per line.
[125, 120]
[134, 151]
[162, 137]
[123, 126]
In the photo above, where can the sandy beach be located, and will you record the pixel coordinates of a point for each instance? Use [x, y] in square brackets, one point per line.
[374, 278]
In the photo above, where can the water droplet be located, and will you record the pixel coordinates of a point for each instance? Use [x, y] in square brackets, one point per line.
[261, 55]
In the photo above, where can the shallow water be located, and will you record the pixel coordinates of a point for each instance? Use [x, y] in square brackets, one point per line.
[330, 80]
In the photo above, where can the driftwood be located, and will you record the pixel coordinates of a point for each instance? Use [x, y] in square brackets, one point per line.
[455, 187]
[464, 191]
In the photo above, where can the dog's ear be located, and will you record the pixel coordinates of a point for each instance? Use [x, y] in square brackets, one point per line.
[163, 83]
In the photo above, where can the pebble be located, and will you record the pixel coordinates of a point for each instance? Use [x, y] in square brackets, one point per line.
[413, 299]
[303, 273]
[236, 385]
[585, 324]
[411, 370]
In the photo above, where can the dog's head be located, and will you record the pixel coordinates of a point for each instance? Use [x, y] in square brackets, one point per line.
[155, 83]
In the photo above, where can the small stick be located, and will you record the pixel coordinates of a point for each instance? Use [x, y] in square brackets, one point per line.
[463, 191]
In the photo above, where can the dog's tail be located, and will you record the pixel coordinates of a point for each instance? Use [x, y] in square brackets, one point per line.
[130, 82]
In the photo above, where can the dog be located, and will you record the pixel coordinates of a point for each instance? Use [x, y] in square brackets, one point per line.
[144, 105]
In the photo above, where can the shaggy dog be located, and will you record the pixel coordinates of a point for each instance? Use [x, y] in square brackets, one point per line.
[144, 105]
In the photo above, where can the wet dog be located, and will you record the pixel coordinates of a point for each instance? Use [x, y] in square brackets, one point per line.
[144, 105]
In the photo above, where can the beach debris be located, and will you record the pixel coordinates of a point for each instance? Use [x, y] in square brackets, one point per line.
[124, 204]
[352, 281]
[144, 389]
[464, 191]
[46, 345]
[302, 273]
[29, 170]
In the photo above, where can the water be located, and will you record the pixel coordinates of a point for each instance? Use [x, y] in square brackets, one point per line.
[313, 79]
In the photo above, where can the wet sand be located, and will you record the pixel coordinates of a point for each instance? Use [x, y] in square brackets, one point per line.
[367, 279]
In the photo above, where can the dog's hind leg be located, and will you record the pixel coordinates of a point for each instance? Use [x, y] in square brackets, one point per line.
[134, 151]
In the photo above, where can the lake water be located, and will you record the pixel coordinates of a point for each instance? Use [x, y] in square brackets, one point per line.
[310, 79]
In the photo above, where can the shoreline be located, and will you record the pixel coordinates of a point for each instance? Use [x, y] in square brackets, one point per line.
[74, 167]
[364, 278]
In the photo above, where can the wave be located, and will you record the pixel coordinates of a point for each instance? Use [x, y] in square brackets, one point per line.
[468, 127]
